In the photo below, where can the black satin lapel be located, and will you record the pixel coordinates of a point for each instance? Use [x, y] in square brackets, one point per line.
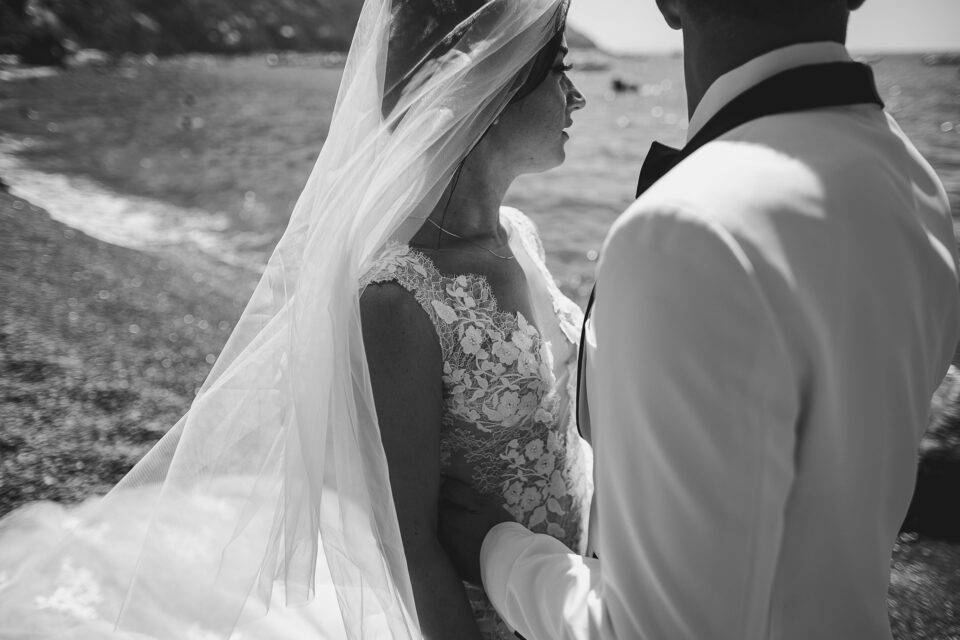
[818, 86]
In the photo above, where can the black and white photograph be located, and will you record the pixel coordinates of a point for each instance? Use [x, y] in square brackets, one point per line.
[479, 320]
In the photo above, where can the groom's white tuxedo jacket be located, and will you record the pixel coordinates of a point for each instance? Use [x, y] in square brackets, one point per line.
[772, 318]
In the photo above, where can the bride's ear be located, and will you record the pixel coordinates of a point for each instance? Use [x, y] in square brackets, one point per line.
[671, 13]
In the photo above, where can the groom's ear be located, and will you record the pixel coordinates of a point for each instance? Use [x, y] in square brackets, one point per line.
[671, 12]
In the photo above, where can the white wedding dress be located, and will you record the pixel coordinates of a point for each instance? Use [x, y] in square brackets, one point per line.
[508, 423]
[66, 569]
[507, 428]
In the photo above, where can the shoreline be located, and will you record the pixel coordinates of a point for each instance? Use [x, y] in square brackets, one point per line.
[132, 222]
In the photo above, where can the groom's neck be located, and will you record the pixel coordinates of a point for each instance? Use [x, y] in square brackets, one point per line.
[713, 47]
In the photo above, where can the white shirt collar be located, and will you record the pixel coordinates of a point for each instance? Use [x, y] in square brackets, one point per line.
[734, 82]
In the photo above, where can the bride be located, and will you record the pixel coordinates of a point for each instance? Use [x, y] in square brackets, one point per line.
[471, 346]
[405, 329]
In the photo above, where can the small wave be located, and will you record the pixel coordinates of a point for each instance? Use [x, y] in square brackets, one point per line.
[127, 221]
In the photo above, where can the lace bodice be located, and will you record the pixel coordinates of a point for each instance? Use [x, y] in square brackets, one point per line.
[507, 420]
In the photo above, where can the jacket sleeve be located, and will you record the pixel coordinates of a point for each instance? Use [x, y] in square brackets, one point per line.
[694, 403]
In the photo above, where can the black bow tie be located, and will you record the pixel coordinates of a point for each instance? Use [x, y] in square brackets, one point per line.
[659, 161]
[817, 86]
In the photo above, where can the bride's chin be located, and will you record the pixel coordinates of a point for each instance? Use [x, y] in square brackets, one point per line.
[553, 163]
[550, 158]
[561, 155]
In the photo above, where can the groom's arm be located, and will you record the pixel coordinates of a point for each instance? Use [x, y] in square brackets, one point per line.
[694, 403]
[540, 587]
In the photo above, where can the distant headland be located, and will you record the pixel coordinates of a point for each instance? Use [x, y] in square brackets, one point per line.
[47, 32]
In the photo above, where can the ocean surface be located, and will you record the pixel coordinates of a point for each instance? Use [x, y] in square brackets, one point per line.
[575, 204]
[234, 180]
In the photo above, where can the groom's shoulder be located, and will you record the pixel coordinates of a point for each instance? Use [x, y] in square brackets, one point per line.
[665, 227]
[739, 181]
[712, 200]
[700, 193]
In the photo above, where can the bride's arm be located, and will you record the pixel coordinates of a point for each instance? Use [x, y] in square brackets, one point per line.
[403, 353]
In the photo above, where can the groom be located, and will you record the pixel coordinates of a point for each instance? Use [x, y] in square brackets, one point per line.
[771, 317]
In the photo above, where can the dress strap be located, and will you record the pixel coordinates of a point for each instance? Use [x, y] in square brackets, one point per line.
[569, 316]
[400, 264]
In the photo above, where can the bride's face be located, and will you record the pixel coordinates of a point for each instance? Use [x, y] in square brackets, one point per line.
[530, 135]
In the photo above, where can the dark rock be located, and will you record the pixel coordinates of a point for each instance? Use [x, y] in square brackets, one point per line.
[621, 86]
[163, 27]
[112, 400]
[43, 49]
[935, 508]
[35, 35]
[30, 370]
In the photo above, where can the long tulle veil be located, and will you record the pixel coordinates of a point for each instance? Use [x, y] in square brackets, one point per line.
[278, 467]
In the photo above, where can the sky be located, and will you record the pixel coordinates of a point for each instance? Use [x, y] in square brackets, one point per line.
[628, 26]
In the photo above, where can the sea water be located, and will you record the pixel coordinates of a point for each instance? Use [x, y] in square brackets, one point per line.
[575, 204]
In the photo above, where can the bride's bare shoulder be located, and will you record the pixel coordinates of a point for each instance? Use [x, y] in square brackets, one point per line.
[395, 323]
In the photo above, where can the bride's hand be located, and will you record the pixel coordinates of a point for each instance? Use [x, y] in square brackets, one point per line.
[464, 519]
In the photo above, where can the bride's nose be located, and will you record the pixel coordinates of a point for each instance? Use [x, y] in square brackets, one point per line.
[575, 99]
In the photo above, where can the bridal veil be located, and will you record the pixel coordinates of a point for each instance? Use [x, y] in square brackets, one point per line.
[277, 469]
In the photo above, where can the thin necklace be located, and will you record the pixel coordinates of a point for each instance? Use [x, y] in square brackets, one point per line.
[476, 244]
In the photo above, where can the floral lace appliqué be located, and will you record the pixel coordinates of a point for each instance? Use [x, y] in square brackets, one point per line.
[506, 420]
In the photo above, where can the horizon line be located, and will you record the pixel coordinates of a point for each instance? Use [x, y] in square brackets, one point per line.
[893, 50]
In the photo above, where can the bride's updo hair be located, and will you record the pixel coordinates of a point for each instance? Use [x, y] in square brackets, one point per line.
[426, 30]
